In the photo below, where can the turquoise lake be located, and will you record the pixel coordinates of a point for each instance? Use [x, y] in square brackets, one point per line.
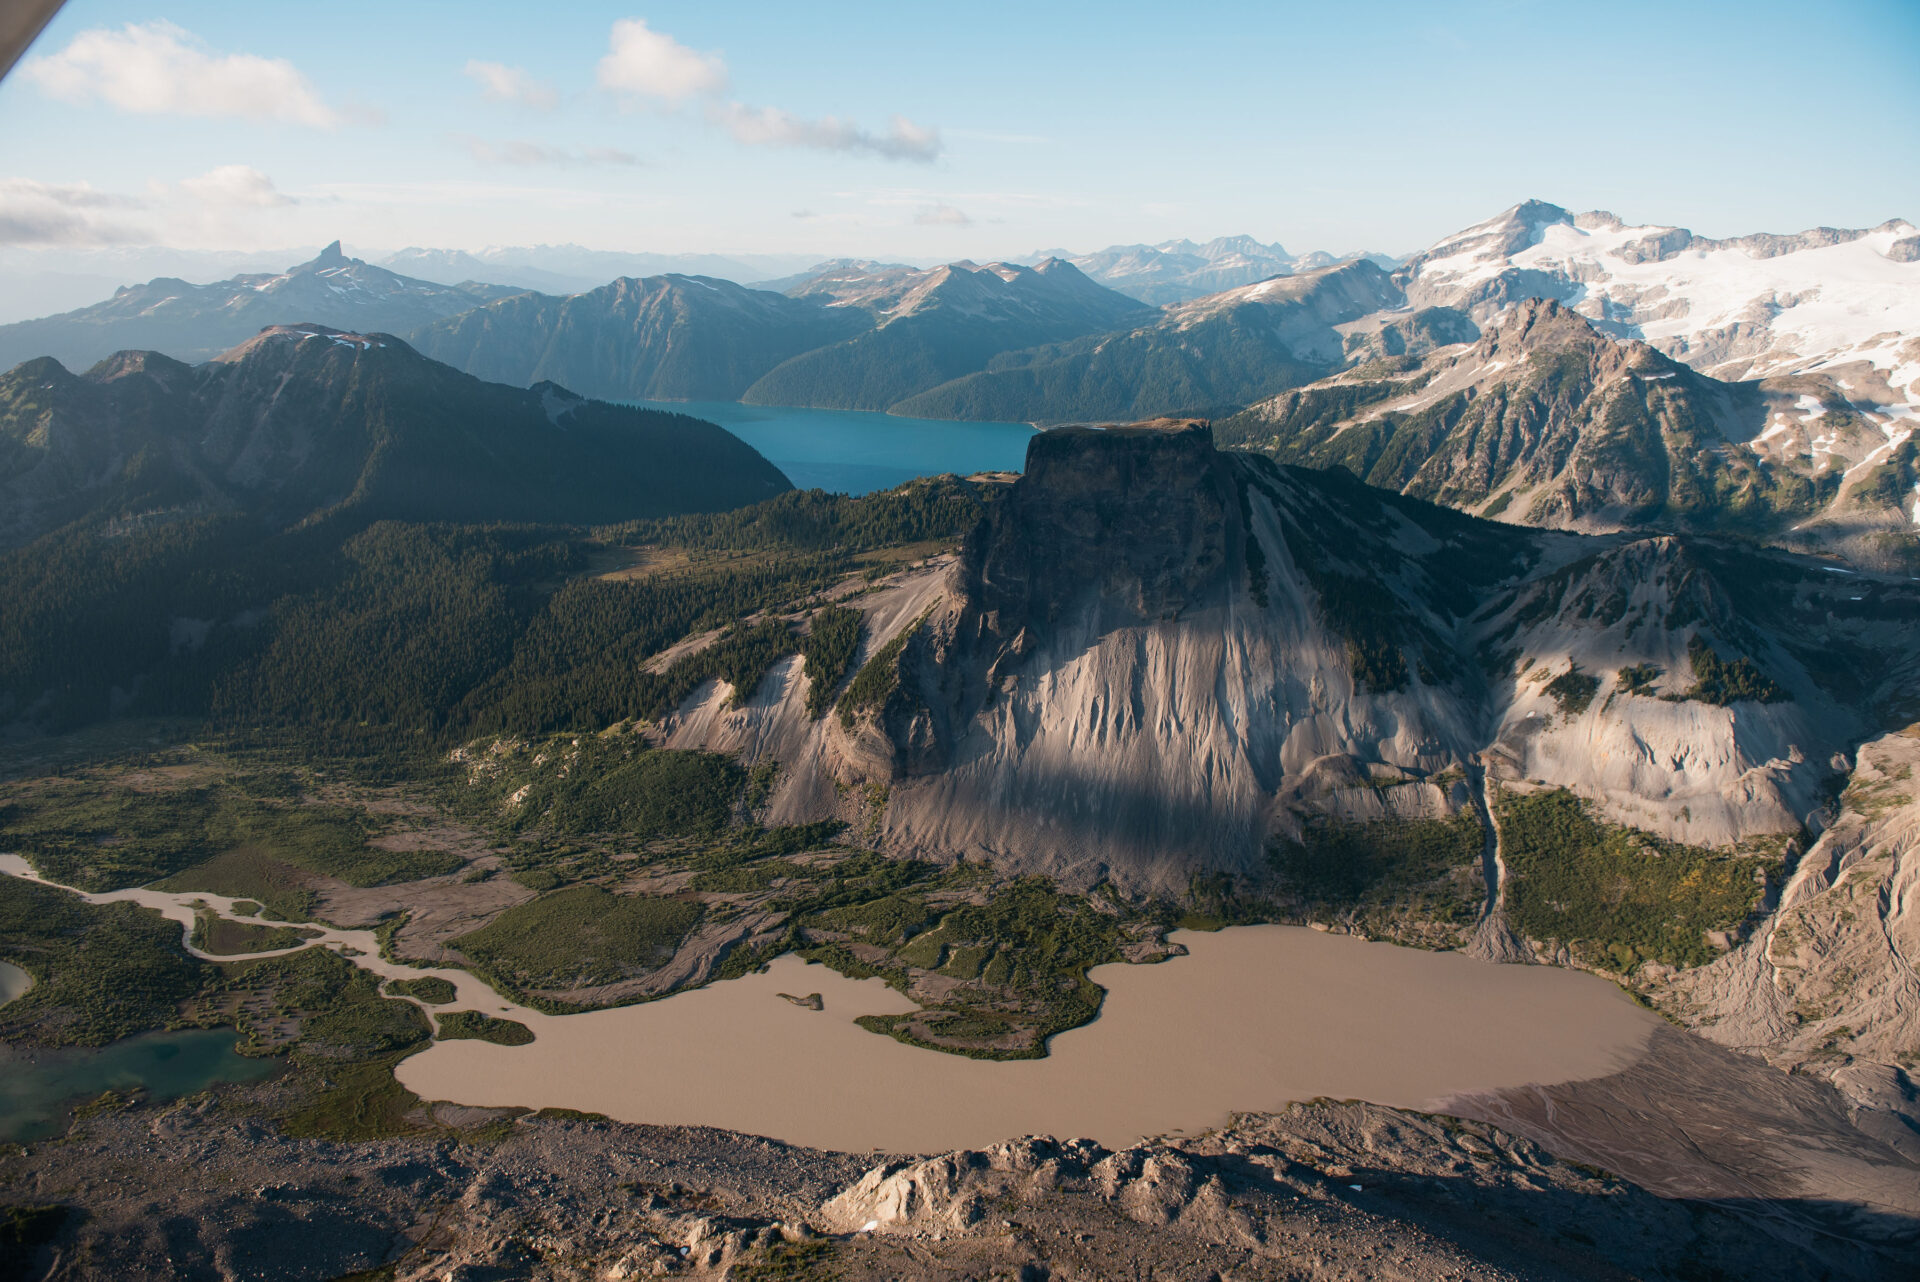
[851, 452]
[36, 1089]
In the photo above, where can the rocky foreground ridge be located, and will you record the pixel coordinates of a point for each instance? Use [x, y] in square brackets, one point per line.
[1321, 1191]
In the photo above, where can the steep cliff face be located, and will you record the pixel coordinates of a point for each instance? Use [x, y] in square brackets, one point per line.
[1153, 659]
[1132, 660]
[1830, 982]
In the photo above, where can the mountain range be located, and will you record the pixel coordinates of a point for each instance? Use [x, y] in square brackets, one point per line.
[1208, 355]
[572, 269]
[197, 322]
[928, 327]
[301, 422]
[1766, 385]
[1470, 637]
[1747, 307]
[656, 338]
[1545, 421]
[1640, 376]
[1174, 271]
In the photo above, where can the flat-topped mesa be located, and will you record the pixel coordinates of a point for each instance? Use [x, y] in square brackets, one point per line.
[1137, 514]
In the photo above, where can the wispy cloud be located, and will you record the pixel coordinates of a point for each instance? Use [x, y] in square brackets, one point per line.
[644, 65]
[65, 215]
[772, 127]
[942, 216]
[156, 68]
[237, 186]
[521, 152]
[502, 83]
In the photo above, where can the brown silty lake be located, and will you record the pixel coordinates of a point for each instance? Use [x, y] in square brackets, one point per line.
[1255, 1018]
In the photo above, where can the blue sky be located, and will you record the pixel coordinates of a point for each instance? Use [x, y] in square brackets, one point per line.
[933, 131]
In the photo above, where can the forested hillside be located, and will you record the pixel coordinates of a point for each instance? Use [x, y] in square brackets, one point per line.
[351, 629]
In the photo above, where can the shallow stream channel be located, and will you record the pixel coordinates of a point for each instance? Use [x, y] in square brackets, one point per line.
[1253, 1018]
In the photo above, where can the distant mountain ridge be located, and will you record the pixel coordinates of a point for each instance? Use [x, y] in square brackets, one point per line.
[658, 338]
[198, 322]
[1205, 356]
[306, 420]
[572, 269]
[1175, 271]
[928, 327]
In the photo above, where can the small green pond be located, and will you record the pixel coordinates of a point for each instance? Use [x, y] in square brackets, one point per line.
[38, 1087]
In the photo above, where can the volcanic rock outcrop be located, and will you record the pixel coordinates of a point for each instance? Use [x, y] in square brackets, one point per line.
[1153, 659]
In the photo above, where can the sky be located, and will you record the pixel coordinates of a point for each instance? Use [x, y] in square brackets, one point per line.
[929, 132]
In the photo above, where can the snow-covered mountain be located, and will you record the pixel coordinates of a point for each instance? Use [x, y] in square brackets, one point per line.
[1632, 376]
[829, 267]
[1845, 302]
[1174, 271]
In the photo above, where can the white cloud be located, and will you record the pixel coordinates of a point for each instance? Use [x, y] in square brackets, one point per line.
[156, 68]
[644, 62]
[66, 215]
[519, 151]
[772, 127]
[942, 216]
[240, 186]
[512, 84]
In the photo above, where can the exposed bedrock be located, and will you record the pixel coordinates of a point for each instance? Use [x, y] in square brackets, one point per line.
[1152, 659]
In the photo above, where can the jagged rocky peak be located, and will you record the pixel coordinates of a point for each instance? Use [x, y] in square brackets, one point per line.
[1546, 325]
[1537, 323]
[332, 256]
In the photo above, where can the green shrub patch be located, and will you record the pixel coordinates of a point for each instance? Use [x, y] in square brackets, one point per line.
[471, 1025]
[1429, 868]
[580, 936]
[1614, 895]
